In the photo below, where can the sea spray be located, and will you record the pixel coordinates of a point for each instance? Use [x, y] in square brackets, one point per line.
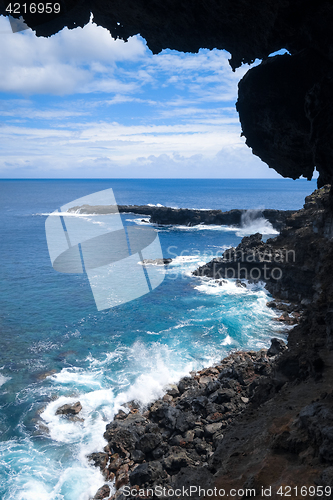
[252, 221]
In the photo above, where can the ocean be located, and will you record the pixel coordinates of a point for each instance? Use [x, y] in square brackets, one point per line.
[56, 348]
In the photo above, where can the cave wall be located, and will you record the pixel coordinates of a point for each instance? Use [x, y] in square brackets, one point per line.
[285, 104]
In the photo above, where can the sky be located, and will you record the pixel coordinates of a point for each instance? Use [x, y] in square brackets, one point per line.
[83, 105]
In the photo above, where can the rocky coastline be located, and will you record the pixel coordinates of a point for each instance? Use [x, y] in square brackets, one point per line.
[296, 254]
[190, 217]
[257, 421]
[172, 442]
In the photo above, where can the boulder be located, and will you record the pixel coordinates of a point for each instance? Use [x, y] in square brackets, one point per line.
[103, 492]
[277, 346]
[175, 461]
[211, 429]
[148, 442]
[69, 409]
[144, 473]
[185, 421]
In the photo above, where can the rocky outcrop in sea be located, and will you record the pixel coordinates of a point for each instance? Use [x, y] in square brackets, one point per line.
[191, 217]
[289, 263]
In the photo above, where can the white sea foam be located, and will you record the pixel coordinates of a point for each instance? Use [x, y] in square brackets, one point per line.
[3, 379]
[202, 227]
[69, 214]
[185, 259]
[97, 409]
[78, 377]
[185, 265]
[211, 286]
[36, 475]
[227, 341]
[180, 227]
[156, 366]
[33, 489]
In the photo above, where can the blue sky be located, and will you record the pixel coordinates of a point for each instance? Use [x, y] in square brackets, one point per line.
[82, 105]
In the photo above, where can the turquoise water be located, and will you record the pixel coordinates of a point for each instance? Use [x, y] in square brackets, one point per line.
[57, 348]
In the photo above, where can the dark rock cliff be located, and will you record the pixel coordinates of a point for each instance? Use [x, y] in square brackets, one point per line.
[291, 264]
[303, 253]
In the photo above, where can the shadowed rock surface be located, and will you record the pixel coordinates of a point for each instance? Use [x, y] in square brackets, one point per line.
[172, 443]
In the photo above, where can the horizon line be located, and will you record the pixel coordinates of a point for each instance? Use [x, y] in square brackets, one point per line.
[152, 178]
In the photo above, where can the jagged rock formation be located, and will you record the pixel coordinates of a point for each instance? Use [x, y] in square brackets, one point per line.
[285, 104]
[289, 263]
[190, 217]
[69, 409]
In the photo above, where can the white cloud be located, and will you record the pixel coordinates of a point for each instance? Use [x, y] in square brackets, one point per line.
[116, 150]
[72, 61]
[207, 76]
[86, 60]
[184, 124]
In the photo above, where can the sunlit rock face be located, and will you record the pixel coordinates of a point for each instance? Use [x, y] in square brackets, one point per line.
[285, 104]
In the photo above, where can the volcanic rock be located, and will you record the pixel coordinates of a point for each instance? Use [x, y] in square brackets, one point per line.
[69, 409]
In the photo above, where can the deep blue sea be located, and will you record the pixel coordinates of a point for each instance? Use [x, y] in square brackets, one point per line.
[56, 348]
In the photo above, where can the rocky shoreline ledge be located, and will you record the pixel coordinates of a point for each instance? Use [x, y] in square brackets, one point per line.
[258, 419]
[172, 442]
[190, 217]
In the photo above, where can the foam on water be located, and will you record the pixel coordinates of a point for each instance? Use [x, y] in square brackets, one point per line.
[141, 222]
[227, 341]
[146, 372]
[35, 474]
[250, 224]
[202, 227]
[184, 265]
[76, 377]
[3, 379]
